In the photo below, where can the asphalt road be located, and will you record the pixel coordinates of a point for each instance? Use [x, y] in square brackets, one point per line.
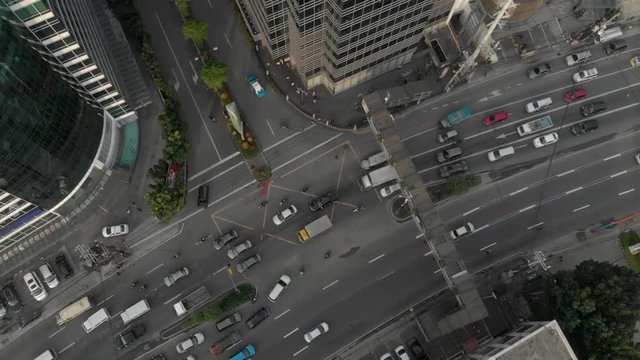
[538, 194]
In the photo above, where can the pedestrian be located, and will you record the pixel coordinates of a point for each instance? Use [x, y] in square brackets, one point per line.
[133, 203]
[127, 211]
[139, 210]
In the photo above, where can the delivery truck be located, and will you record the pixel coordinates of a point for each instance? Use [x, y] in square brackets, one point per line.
[535, 126]
[314, 228]
[377, 177]
[455, 117]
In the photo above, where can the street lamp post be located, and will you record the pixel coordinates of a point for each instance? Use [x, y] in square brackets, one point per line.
[230, 273]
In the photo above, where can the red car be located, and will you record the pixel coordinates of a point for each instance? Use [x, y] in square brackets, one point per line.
[574, 95]
[493, 119]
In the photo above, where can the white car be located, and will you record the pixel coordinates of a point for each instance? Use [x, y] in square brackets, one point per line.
[463, 230]
[282, 284]
[401, 353]
[191, 342]
[545, 140]
[49, 276]
[175, 276]
[386, 356]
[497, 154]
[314, 333]
[577, 58]
[35, 286]
[388, 190]
[585, 75]
[239, 249]
[284, 215]
[115, 230]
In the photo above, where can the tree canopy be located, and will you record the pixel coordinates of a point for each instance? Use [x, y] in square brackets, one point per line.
[597, 305]
[214, 75]
[196, 31]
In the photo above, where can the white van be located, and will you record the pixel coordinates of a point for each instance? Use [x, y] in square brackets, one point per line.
[135, 311]
[374, 160]
[47, 355]
[95, 320]
[537, 105]
[609, 34]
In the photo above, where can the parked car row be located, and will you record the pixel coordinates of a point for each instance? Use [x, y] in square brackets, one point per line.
[36, 281]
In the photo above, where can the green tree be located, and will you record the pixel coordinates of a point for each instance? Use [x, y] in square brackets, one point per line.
[184, 8]
[597, 305]
[195, 31]
[165, 203]
[214, 75]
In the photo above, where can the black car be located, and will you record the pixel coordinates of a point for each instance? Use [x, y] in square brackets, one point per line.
[322, 201]
[584, 127]
[258, 317]
[448, 170]
[228, 321]
[63, 266]
[159, 357]
[593, 108]
[417, 350]
[27, 319]
[125, 339]
[203, 196]
[11, 297]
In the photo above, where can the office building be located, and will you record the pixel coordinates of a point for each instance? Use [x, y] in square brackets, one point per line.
[69, 85]
[341, 43]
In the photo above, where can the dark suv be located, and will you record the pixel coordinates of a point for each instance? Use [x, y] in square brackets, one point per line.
[258, 317]
[417, 350]
[448, 170]
[584, 127]
[593, 108]
[320, 202]
[63, 266]
[11, 297]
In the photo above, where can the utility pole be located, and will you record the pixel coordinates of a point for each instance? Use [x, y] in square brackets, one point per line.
[470, 62]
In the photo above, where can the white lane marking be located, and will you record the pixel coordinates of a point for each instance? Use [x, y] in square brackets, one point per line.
[611, 157]
[519, 191]
[376, 258]
[221, 162]
[626, 191]
[536, 225]
[291, 332]
[573, 190]
[54, 334]
[155, 268]
[270, 128]
[306, 152]
[301, 350]
[471, 211]
[279, 316]
[66, 347]
[488, 246]
[104, 301]
[619, 173]
[228, 42]
[428, 253]
[481, 228]
[581, 208]
[219, 270]
[566, 173]
[418, 236]
[195, 103]
[527, 208]
[437, 271]
[173, 298]
[328, 286]
[386, 275]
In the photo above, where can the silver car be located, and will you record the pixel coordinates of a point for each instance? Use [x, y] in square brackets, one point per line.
[245, 264]
[225, 239]
[538, 71]
[239, 249]
[175, 276]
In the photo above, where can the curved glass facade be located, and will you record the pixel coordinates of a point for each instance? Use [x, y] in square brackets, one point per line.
[48, 135]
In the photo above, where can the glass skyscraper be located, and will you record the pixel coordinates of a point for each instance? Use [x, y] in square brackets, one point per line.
[49, 136]
[69, 85]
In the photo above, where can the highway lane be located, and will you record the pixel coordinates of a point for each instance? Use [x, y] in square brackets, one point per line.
[607, 199]
[566, 171]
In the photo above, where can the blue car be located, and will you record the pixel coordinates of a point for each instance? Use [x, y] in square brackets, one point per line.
[255, 86]
[245, 353]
